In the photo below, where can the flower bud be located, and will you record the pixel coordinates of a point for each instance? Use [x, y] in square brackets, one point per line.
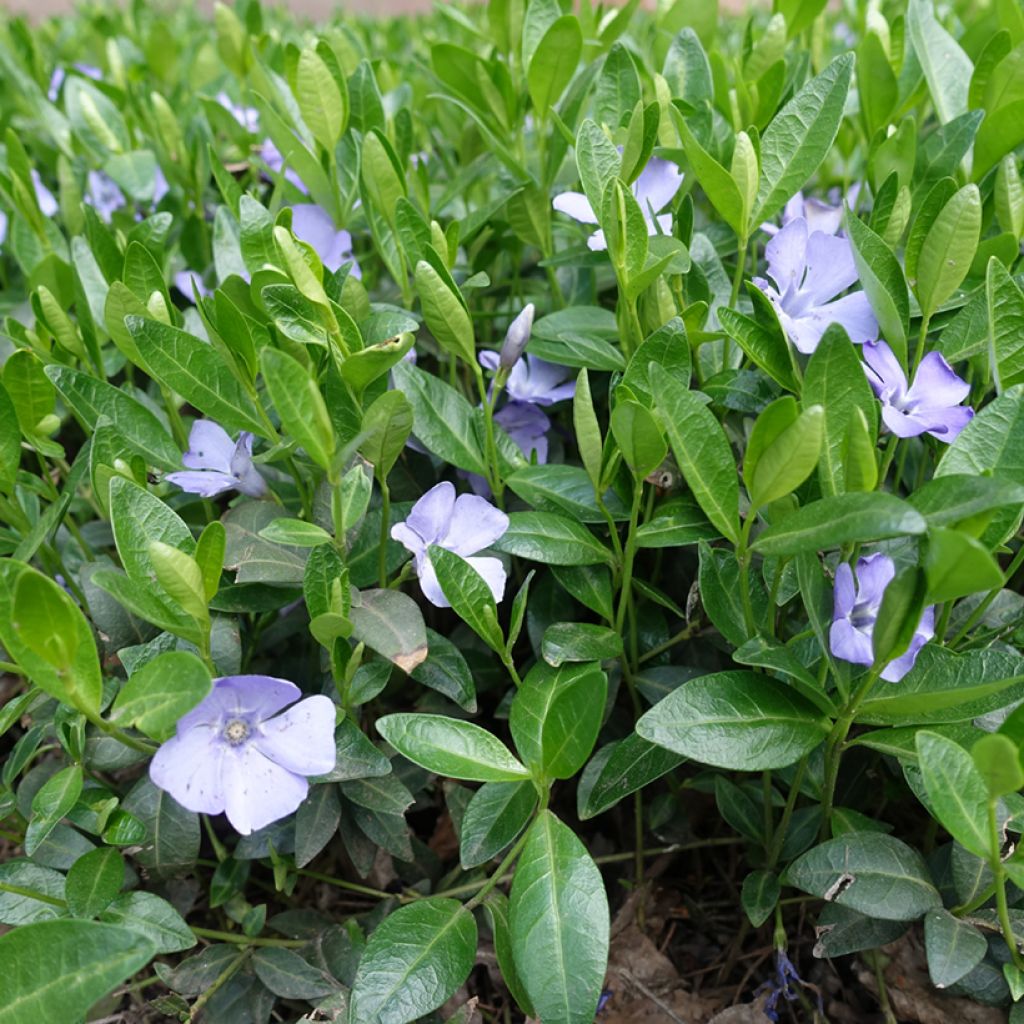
[516, 338]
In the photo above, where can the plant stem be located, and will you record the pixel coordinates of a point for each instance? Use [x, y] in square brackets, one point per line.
[385, 527]
[999, 881]
[834, 745]
[743, 557]
[501, 870]
[361, 890]
[245, 940]
[119, 734]
[629, 555]
[225, 976]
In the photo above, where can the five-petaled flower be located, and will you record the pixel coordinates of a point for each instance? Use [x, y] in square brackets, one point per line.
[532, 382]
[857, 599]
[216, 464]
[809, 269]
[233, 752]
[654, 189]
[930, 405]
[820, 216]
[465, 525]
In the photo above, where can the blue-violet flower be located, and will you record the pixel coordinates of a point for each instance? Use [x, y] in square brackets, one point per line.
[216, 464]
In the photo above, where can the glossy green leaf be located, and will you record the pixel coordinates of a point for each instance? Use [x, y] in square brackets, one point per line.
[160, 692]
[619, 769]
[299, 404]
[956, 791]
[496, 814]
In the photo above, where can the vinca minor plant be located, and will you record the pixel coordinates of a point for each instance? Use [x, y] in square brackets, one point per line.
[480, 489]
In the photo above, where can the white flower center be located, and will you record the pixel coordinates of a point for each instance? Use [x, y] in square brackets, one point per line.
[236, 731]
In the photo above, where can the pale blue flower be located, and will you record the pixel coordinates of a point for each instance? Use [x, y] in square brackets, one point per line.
[654, 189]
[234, 753]
[930, 405]
[808, 270]
[857, 600]
[216, 464]
[315, 226]
[465, 525]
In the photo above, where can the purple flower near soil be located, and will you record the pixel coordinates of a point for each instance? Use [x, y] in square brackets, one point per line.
[784, 985]
[857, 599]
[274, 159]
[216, 464]
[313, 224]
[104, 195]
[465, 525]
[930, 405]
[809, 269]
[233, 752]
[658, 182]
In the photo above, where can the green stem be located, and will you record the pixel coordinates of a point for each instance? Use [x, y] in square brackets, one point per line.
[501, 870]
[999, 881]
[120, 735]
[225, 976]
[737, 280]
[835, 742]
[743, 557]
[32, 894]
[493, 465]
[354, 887]
[245, 940]
[385, 527]
[779, 836]
[629, 555]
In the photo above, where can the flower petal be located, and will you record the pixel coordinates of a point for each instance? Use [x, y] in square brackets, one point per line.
[850, 644]
[898, 668]
[820, 216]
[597, 242]
[830, 267]
[936, 385]
[255, 695]
[953, 421]
[314, 225]
[493, 572]
[429, 583]
[432, 514]
[874, 574]
[209, 447]
[301, 739]
[489, 359]
[249, 480]
[786, 255]
[576, 205]
[853, 313]
[658, 182]
[475, 524]
[257, 791]
[904, 424]
[845, 593]
[189, 767]
[207, 483]
[884, 370]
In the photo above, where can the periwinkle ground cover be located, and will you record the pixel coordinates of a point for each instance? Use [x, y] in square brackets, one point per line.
[448, 463]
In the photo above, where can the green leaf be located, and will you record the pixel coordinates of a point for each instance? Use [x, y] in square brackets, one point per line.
[442, 419]
[587, 429]
[445, 671]
[253, 558]
[448, 746]
[140, 429]
[844, 519]
[496, 814]
[956, 790]
[299, 404]
[322, 105]
[196, 371]
[736, 720]
[579, 641]
[957, 565]
[390, 623]
[947, 687]
[357, 757]
[553, 64]
[558, 488]
[899, 615]
[597, 160]
[801, 136]
[948, 249]
[953, 947]
[413, 962]
[93, 881]
[555, 717]
[160, 692]
[295, 533]
[789, 459]
[702, 452]
[552, 538]
[997, 759]
[289, 976]
[56, 970]
[444, 310]
[386, 427]
[171, 845]
[45, 632]
[869, 872]
[762, 339]
[152, 918]
[53, 801]
[619, 769]
[760, 894]
[946, 67]
[638, 436]
[1006, 326]
[10, 442]
[469, 595]
[138, 519]
[883, 281]
[559, 923]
